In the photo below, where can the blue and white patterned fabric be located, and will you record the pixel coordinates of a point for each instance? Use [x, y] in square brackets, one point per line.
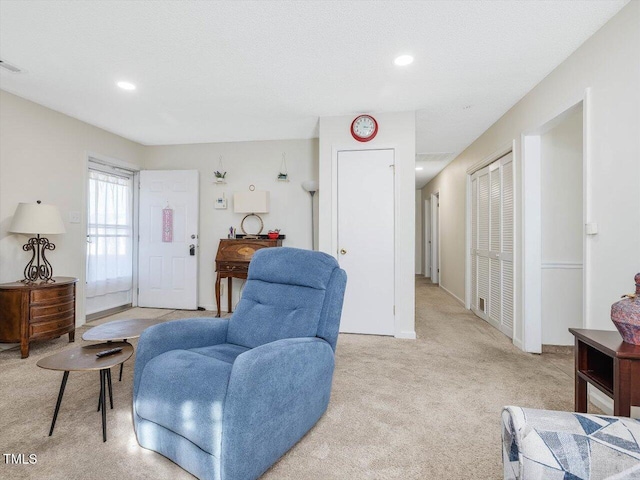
[549, 445]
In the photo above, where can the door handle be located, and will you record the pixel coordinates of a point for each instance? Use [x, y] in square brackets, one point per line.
[192, 249]
[343, 251]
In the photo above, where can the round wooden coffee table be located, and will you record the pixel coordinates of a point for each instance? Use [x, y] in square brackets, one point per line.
[84, 359]
[119, 330]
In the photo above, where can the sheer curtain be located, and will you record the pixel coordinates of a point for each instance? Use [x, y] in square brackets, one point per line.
[109, 234]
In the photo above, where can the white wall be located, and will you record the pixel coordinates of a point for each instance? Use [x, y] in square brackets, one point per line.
[608, 64]
[246, 163]
[396, 130]
[562, 229]
[43, 156]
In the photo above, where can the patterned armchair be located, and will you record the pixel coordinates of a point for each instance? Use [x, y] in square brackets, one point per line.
[548, 445]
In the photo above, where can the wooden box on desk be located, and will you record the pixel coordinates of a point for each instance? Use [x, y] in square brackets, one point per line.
[232, 260]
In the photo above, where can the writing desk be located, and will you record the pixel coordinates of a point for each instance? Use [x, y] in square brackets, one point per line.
[232, 261]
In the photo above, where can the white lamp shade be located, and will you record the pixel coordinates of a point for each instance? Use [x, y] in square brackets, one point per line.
[251, 202]
[37, 219]
[310, 186]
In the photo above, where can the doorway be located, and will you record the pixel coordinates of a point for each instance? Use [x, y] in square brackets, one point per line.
[366, 245]
[554, 240]
[110, 234]
[561, 208]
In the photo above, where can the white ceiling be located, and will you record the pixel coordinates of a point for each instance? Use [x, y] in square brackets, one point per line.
[428, 165]
[257, 70]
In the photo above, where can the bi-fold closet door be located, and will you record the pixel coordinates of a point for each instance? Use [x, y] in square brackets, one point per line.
[492, 289]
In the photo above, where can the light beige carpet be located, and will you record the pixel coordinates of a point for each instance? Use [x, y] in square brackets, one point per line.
[400, 409]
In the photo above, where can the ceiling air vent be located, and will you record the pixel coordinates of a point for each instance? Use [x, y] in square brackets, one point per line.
[9, 67]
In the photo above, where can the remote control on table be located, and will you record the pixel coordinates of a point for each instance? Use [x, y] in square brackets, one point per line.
[104, 353]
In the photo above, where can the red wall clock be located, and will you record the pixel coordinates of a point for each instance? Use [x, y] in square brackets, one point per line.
[364, 128]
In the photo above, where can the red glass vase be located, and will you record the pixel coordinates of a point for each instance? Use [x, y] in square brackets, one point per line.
[625, 315]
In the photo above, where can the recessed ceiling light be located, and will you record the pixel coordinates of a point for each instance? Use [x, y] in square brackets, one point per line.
[419, 168]
[403, 60]
[126, 85]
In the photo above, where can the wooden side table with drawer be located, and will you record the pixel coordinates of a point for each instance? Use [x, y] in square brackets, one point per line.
[232, 261]
[609, 364]
[37, 311]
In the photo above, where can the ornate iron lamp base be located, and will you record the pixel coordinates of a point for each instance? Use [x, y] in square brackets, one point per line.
[38, 267]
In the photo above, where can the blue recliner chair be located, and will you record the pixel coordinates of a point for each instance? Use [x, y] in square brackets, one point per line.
[225, 398]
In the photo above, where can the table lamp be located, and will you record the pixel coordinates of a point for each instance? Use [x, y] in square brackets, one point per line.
[37, 219]
[251, 202]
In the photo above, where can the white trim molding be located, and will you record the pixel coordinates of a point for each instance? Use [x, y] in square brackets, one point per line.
[561, 266]
[406, 335]
[531, 245]
[489, 159]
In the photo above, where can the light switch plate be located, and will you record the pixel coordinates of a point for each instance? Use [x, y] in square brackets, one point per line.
[220, 203]
[74, 217]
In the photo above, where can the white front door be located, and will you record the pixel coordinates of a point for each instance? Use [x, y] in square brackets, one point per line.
[168, 251]
[366, 239]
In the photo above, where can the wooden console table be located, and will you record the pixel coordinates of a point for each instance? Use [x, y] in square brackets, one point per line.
[609, 364]
[37, 311]
[232, 261]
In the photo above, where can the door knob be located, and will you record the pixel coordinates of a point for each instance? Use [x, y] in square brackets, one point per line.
[192, 249]
[343, 251]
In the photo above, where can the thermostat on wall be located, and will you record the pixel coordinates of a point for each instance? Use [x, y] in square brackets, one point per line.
[221, 203]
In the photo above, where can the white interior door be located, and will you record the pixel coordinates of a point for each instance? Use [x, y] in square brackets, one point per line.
[366, 215]
[427, 238]
[168, 252]
[492, 242]
[435, 237]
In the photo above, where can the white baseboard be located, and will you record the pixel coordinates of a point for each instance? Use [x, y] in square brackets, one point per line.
[410, 335]
[600, 400]
[454, 296]
[605, 403]
[518, 343]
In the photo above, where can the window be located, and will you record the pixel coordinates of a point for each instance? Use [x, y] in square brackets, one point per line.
[109, 240]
